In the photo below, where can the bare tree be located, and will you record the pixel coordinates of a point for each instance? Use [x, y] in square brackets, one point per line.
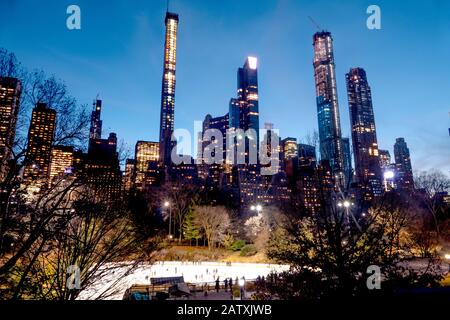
[214, 221]
[181, 197]
[329, 254]
[90, 237]
[47, 226]
[432, 183]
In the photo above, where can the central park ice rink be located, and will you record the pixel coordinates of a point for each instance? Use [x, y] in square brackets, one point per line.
[192, 272]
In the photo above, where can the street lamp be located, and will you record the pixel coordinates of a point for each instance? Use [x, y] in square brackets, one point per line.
[258, 208]
[167, 205]
[242, 286]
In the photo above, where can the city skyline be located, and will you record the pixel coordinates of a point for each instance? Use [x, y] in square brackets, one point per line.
[428, 149]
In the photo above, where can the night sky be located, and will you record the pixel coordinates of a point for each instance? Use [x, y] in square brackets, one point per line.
[118, 53]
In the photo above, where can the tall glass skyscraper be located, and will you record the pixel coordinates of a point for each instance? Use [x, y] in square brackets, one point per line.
[364, 135]
[10, 92]
[327, 103]
[96, 123]
[404, 179]
[168, 89]
[348, 171]
[248, 93]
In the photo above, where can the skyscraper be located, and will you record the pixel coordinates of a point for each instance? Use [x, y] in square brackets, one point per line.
[364, 135]
[61, 161]
[327, 103]
[127, 180]
[348, 171]
[40, 139]
[145, 152]
[209, 145]
[96, 123]
[248, 97]
[244, 116]
[385, 158]
[102, 168]
[405, 180]
[168, 89]
[10, 91]
[289, 147]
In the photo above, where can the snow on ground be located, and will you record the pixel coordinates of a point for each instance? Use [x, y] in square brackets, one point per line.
[193, 272]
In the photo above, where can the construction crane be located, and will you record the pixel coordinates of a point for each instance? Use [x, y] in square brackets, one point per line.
[315, 23]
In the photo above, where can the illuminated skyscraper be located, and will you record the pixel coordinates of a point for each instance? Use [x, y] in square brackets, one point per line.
[327, 103]
[244, 117]
[289, 147]
[145, 152]
[96, 122]
[61, 161]
[385, 158]
[364, 136]
[102, 168]
[10, 91]
[207, 170]
[168, 89]
[127, 180]
[40, 139]
[348, 171]
[404, 179]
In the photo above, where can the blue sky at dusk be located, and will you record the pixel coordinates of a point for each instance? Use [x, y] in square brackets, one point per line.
[118, 53]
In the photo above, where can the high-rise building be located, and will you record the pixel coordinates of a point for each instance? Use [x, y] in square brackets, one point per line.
[61, 161]
[327, 103]
[96, 123]
[404, 179]
[10, 91]
[40, 140]
[145, 152]
[289, 147]
[348, 171]
[364, 135]
[168, 89]
[306, 154]
[244, 116]
[208, 146]
[385, 158]
[130, 165]
[248, 97]
[102, 168]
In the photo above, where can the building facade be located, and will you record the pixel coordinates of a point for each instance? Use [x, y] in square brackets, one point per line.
[364, 135]
[40, 140]
[327, 103]
[404, 173]
[10, 92]
[61, 162]
[168, 89]
[145, 152]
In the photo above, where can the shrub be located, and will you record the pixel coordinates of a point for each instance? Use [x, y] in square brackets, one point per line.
[248, 250]
[237, 245]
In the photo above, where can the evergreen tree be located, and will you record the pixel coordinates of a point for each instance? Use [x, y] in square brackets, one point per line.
[190, 229]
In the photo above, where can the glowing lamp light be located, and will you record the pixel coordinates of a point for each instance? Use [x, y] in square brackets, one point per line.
[447, 256]
[252, 62]
[258, 207]
[241, 282]
[253, 208]
[389, 174]
[347, 204]
[166, 204]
